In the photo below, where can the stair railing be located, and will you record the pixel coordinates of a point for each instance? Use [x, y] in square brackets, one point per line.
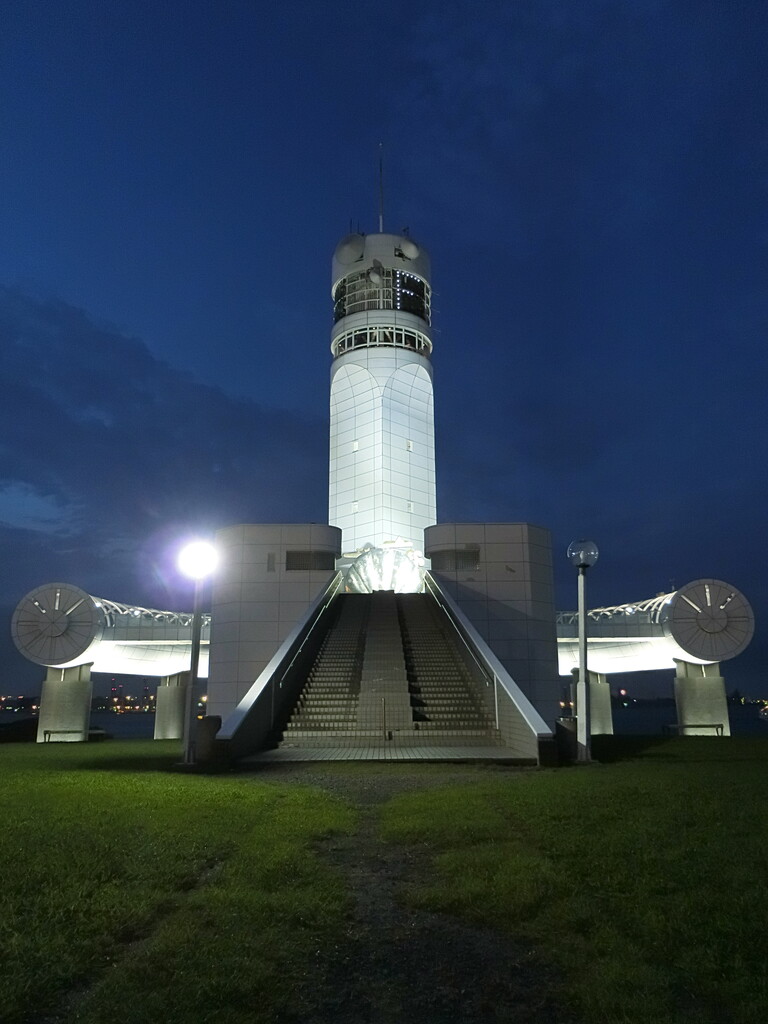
[485, 671]
[254, 718]
[488, 664]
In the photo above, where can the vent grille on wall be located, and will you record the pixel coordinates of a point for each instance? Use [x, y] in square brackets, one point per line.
[451, 560]
[308, 560]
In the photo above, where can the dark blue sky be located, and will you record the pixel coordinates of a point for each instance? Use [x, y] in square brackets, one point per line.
[589, 177]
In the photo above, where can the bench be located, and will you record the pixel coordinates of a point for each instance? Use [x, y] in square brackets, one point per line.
[47, 733]
[679, 730]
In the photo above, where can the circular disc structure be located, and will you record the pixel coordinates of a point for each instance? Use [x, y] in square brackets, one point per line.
[710, 620]
[350, 248]
[56, 624]
[704, 622]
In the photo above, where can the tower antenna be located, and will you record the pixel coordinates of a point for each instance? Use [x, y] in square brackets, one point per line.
[381, 188]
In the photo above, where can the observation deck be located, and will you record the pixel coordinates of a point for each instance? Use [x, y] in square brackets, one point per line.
[381, 294]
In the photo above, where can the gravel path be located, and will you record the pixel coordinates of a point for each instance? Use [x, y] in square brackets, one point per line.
[396, 964]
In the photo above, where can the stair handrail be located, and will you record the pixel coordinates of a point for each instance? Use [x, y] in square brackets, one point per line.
[292, 646]
[318, 608]
[486, 660]
[485, 671]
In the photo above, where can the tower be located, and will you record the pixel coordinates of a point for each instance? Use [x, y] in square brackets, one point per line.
[382, 438]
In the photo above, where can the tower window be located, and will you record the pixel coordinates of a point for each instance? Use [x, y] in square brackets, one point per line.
[373, 336]
[389, 289]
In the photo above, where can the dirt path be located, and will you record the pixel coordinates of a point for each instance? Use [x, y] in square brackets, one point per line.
[401, 965]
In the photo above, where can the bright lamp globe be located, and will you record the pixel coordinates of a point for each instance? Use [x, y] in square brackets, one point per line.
[582, 553]
[198, 559]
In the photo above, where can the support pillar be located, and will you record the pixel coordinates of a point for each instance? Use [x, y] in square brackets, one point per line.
[601, 712]
[700, 699]
[169, 706]
[65, 705]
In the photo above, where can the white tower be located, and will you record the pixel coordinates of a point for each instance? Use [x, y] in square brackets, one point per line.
[382, 458]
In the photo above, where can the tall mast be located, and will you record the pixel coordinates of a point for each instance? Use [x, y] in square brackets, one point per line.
[381, 188]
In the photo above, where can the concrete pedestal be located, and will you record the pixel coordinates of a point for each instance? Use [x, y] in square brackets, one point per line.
[169, 707]
[65, 705]
[600, 710]
[601, 713]
[700, 698]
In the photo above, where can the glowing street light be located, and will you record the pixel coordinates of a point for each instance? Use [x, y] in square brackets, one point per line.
[197, 561]
[583, 554]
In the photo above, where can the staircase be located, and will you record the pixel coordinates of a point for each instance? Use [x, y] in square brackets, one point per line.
[389, 671]
[328, 703]
[447, 707]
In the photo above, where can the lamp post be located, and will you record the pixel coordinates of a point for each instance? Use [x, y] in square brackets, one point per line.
[582, 554]
[197, 561]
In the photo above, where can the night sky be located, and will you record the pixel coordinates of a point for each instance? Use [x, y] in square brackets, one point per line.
[589, 177]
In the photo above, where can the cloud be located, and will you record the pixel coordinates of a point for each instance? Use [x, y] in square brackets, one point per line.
[23, 506]
[108, 455]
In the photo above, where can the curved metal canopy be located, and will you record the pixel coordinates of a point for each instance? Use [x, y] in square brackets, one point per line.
[59, 625]
[704, 622]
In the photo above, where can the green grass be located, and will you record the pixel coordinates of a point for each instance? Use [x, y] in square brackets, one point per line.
[134, 892]
[645, 881]
[120, 874]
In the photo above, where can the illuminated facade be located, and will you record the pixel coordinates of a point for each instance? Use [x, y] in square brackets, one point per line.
[382, 437]
[494, 581]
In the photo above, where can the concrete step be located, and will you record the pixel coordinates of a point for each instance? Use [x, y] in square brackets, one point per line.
[342, 689]
[323, 692]
[440, 729]
[335, 716]
[452, 712]
[330, 711]
[295, 728]
[325, 715]
[331, 699]
[356, 734]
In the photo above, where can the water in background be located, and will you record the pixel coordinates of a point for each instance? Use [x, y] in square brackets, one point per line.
[137, 725]
[646, 719]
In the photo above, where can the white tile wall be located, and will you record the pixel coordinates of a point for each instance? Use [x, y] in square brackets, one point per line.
[381, 398]
[253, 609]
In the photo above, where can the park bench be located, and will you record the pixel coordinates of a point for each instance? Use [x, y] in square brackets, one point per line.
[675, 727]
[47, 733]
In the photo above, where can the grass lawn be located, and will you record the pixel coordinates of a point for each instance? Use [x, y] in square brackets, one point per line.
[134, 893]
[153, 895]
[646, 881]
